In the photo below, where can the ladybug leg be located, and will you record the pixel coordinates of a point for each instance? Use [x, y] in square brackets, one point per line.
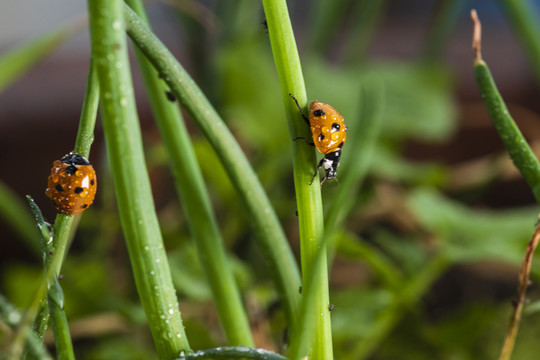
[319, 166]
[301, 138]
[299, 108]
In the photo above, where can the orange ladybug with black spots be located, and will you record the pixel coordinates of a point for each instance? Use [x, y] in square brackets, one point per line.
[329, 135]
[72, 184]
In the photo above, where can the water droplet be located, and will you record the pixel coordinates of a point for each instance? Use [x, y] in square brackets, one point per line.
[171, 311]
[117, 25]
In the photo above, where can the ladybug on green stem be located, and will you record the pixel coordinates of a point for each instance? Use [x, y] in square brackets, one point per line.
[72, 184]
[329, 134]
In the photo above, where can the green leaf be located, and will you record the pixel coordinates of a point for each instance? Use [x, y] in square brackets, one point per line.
[469, 235]
[18, 61]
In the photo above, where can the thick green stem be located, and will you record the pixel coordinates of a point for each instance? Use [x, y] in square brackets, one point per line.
[132, 186]
[514, 141]
[269, 232]
[196, 202]
[308, 197]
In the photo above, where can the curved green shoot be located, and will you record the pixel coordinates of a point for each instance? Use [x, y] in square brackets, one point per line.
[269, 233]
[132, 186]
[514, 141]
[196, 202]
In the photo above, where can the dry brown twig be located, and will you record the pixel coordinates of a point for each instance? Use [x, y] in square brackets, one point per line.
[524, 282]
[477, 37]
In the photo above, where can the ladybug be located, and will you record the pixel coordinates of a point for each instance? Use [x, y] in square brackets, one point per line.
[72, 184]
[329, 134]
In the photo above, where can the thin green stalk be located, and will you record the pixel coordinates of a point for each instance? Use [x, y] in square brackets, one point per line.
[85, 133]
[12, 317]
[269, 233]
[132, 186]
[196, 202]
[63, 226]
[514, 141]
[62, 338]
[522, 17]
[308, 197]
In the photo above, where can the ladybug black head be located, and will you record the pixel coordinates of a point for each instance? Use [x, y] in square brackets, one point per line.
[74, 159]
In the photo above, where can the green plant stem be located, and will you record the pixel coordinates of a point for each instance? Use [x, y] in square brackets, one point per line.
[85, 134]
[62, 338]
[196, 202]
[308, 197]
[233, 352]
[269, 233]
[514, 141]
[522, 18]
[132, 186]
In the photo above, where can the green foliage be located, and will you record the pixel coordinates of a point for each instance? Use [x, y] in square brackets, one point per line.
[393, 228]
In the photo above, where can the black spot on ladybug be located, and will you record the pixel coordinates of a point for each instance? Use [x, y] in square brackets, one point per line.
[59, 188]
[319, 112]
[78, 190]
[84, 206]
[71, 170]
[321, 137]
[92, 182]
[170, 96]
[335, 126]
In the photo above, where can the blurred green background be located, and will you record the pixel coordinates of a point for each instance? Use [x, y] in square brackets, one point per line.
[427, 261]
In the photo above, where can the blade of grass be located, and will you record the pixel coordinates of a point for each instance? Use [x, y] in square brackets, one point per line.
[514, 141]
[196, 202]
[132, 186]
[12, 317]
[522, 17]
[310, 216]
[19, 60]
[16, 215]
[269, 233]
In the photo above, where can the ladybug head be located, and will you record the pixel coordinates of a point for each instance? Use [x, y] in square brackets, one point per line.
[331, 163]
[74, 159]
